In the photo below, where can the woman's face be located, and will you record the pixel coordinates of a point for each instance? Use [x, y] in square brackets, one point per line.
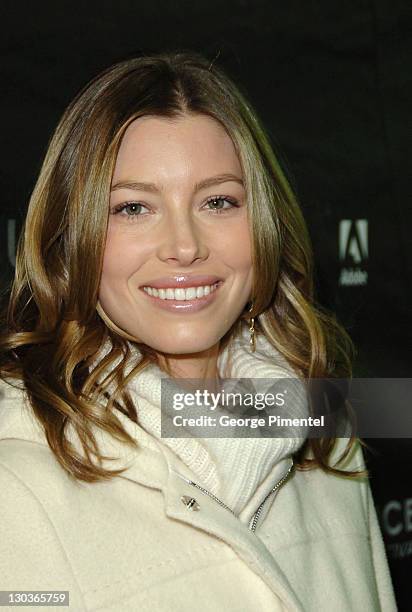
[177, 269]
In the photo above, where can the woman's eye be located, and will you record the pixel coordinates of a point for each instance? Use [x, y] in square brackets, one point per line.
[217, 203]
[133, 210]
[129, 209]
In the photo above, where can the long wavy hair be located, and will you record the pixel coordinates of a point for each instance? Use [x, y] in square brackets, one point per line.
[52, 328]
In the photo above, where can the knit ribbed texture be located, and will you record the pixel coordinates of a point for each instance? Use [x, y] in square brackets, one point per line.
[230, 468]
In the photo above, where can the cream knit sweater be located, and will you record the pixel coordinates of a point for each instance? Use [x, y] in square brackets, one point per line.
[230, 468]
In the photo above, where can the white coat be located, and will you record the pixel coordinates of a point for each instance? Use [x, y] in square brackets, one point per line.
[139, 542]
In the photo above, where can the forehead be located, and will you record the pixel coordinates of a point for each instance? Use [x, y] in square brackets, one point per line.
[193, 143]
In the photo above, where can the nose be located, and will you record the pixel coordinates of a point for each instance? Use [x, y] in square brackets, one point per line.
[183, 241]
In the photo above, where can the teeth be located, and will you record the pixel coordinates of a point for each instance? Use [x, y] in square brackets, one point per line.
[190, 293]
[179, 294]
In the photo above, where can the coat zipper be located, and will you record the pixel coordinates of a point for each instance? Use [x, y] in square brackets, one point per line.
[255, 517]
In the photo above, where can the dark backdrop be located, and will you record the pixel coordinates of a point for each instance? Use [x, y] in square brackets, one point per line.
[332, 83]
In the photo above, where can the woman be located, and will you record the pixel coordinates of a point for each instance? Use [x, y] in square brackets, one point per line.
[163, 241]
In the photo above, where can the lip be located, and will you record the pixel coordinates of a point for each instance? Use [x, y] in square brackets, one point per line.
[183, 305]
[182, 280]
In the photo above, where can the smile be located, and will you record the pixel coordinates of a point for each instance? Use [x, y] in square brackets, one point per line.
[183, 300]
[180, 294]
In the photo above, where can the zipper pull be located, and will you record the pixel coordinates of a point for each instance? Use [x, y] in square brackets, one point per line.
[205, 491]
[190, 502]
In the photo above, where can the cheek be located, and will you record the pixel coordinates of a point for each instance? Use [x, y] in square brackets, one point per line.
[236, 248]
[122, 257]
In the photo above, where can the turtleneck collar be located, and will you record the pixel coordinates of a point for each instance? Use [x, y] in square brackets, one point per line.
[233, 469]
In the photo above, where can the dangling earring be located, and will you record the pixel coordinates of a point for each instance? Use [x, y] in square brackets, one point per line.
[252, 341]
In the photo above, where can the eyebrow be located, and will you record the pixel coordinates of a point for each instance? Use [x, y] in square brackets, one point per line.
[151, 187]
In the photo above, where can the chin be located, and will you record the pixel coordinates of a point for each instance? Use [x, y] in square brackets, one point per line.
[182, 346]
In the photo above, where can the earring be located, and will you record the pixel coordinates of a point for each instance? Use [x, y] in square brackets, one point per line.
[252, 341]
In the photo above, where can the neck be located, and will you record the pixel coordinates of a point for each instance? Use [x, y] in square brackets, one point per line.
[201, 365]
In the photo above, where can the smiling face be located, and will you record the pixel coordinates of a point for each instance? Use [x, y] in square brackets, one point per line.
[186, 228]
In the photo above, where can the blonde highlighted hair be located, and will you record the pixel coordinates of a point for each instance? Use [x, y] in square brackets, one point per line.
[52, 331]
